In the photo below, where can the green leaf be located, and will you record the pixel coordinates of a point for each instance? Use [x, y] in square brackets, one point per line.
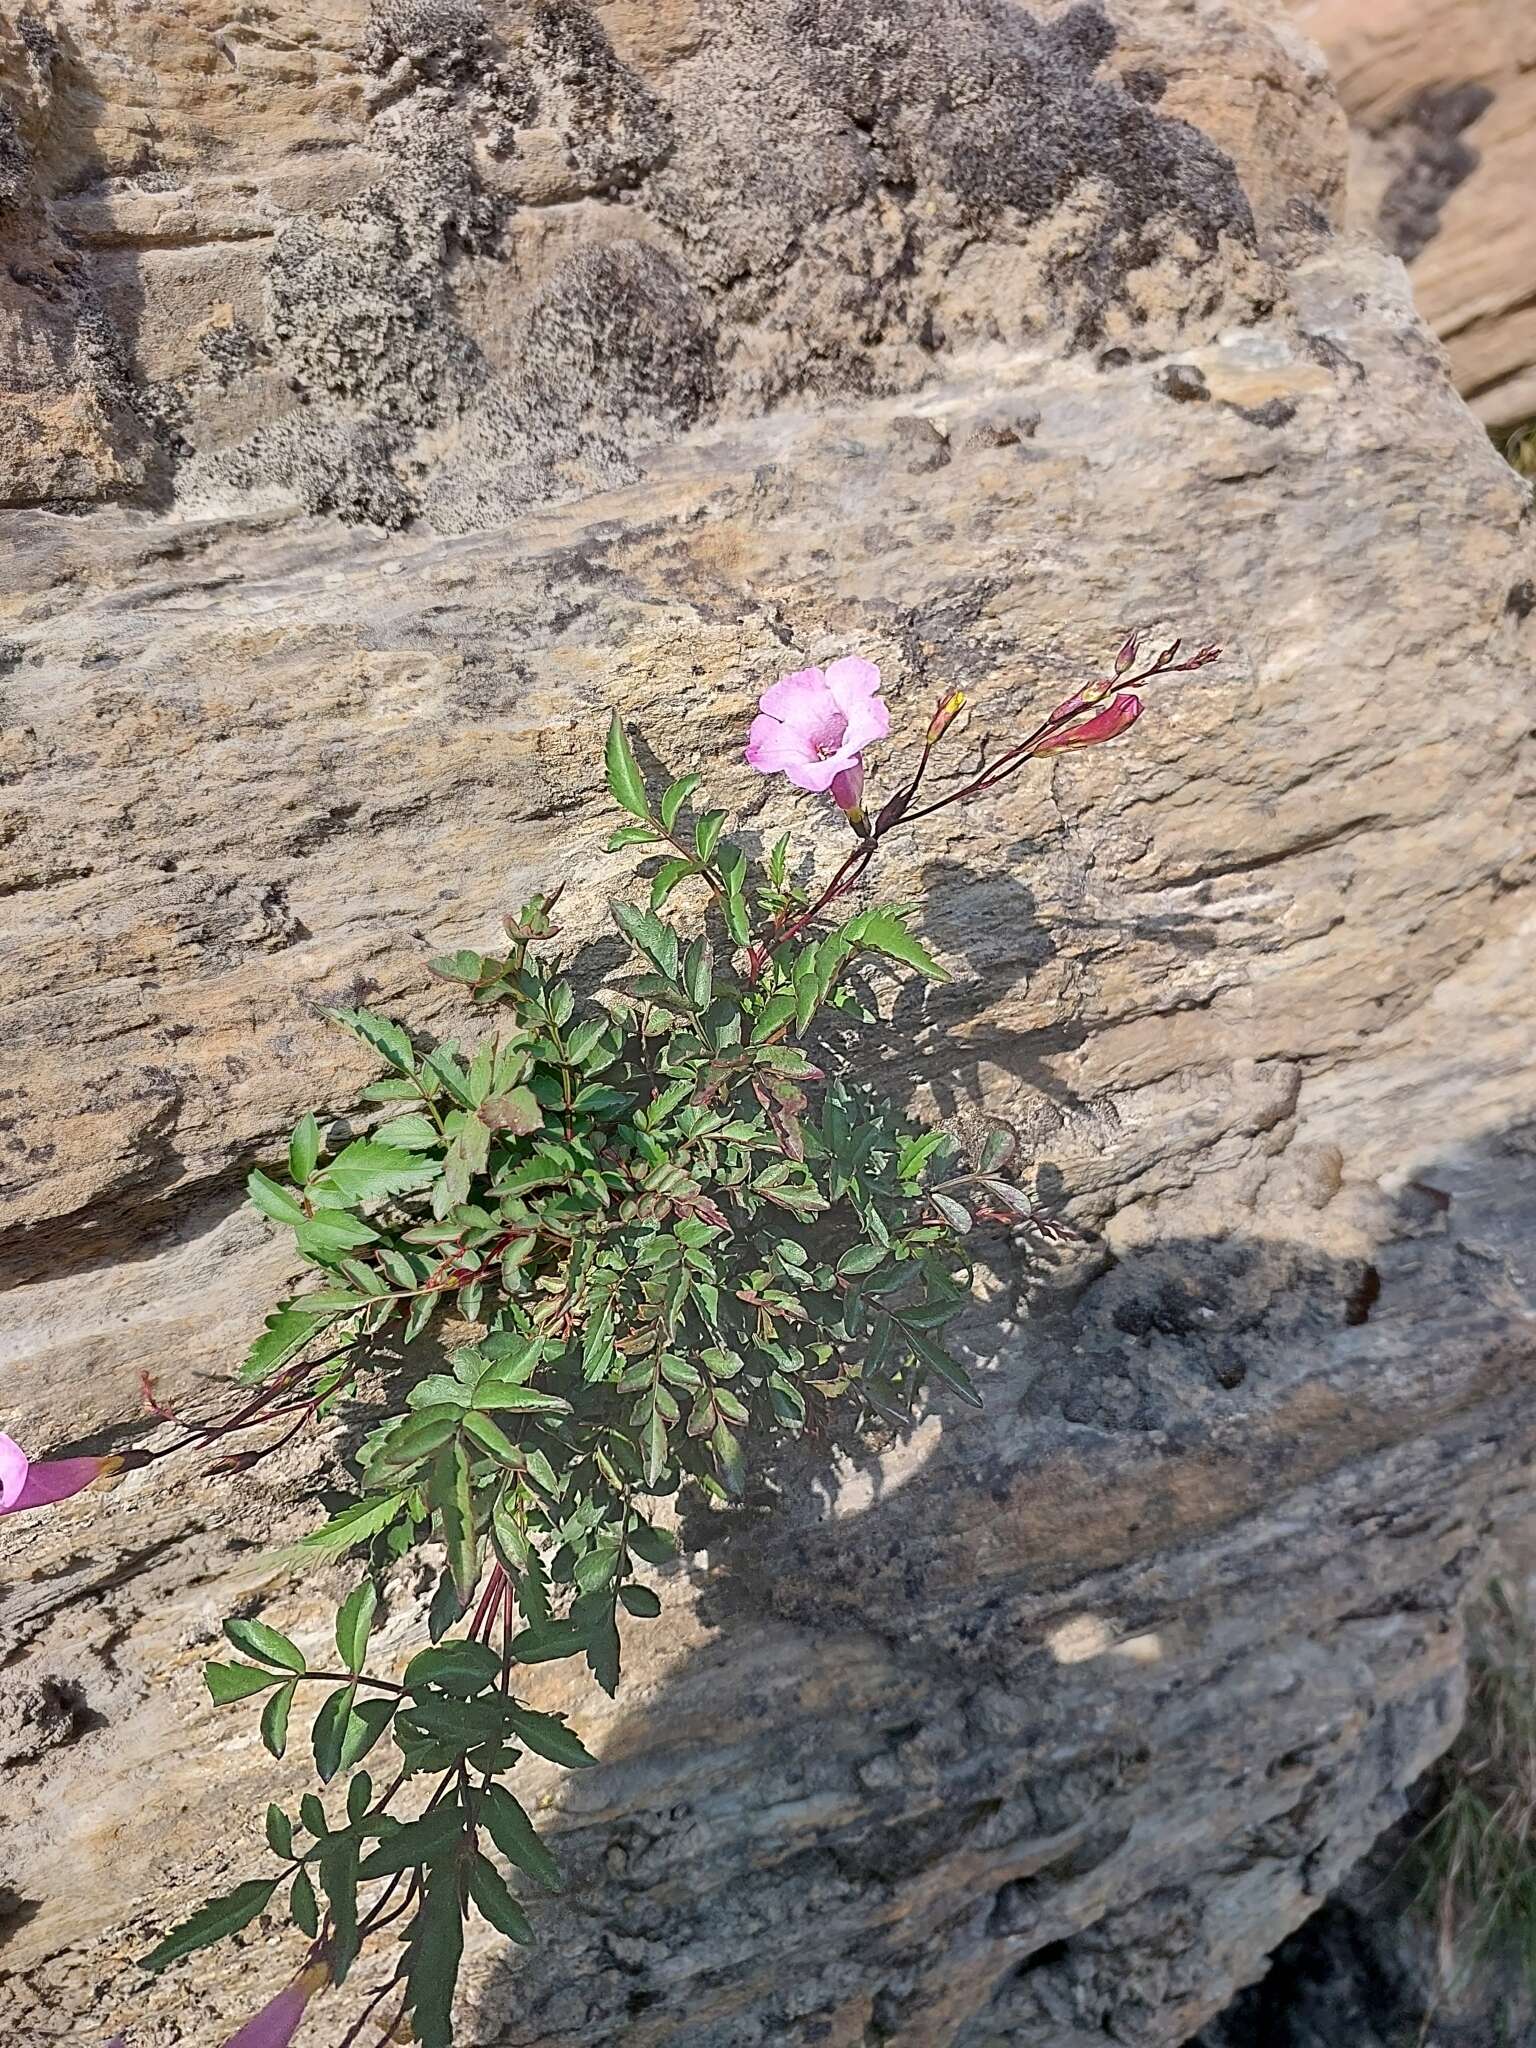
[330, 1731]
[547, 1736]
[257, 1640]
[461, 1667]
[728, 1458]
[517, 1111]
[354, 1620]
[412, 1133]
[210, 1923]
[368, 1721]
[626, 785]
[939, 1362]
[443, 1067]
[419, 1436]
[272, 1200]
[657, 941]
[596, 1567]
[491, 1438]
[274, 1717]
[329, 1235]
[862, 1259]
[916, 1153]
[516, 1837]
[654, 1445]
[886, 932]
[303, 1149]
[737, 918]
[338, 1874]
[775, 1013]
[630, 835]
[384, 1036]
[655, 1546]
[707, 837]
[640, 1601]
[288, 1329]
[698, 974]
[468, 968]
[303, 1905]
[449, 1494]
[488, 1889]
[552, 1639]
[356, 1524]
[279, 1832]
[955, 1214]
[667, 877]
[419, 1841]
[366, 1171]
[390, 1091]
[435, 1949]
[226, 1682]
[676, 796]
[498, 1394]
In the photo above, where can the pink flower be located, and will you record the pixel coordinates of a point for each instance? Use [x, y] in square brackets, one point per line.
[24, 1485]
[278, 2021]
[814, 725]
[1104, 725]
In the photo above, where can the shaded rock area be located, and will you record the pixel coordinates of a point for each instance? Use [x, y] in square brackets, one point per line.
[487, 368]
[1366, 1970]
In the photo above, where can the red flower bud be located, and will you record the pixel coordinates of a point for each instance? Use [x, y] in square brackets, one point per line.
[1126, 658]
[1090, 693]
[1104, 725]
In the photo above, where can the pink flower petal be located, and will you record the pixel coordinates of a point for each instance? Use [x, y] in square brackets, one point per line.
[773, 748]
[13, 1473]
[55, 1479]
[278, 2021]
[851, 678]
[855, 684]
[818, 774]
[848, 789]
[801, 699]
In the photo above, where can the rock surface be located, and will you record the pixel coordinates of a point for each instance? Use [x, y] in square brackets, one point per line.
[676, 344]
[1442, 100]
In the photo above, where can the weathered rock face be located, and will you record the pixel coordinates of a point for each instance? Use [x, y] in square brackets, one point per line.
[1442, 99]
[690, 342]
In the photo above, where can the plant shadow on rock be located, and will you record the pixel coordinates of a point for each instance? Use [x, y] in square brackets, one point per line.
[1000, 1754]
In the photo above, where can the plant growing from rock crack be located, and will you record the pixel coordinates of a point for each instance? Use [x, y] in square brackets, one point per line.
[669, 1237]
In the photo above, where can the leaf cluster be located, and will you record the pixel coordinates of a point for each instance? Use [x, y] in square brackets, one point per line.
[653, 1235]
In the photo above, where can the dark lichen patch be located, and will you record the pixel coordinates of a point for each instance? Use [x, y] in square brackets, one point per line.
[1436, 160]
[617, 349]
[827, 199]
[616, 128]
[1183, 382]
[1274, 412]
[360, 302]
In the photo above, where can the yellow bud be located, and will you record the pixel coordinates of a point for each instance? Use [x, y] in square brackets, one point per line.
[945, 716]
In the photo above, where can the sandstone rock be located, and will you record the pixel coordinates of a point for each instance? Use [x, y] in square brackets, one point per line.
[1042, 1726]
[1442, 99]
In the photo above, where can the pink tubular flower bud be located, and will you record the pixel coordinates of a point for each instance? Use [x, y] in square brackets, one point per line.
[949, 710]
[278, 2021]
[24, 1485]
[848, 794]
[1126, 658]
[1104, 725]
